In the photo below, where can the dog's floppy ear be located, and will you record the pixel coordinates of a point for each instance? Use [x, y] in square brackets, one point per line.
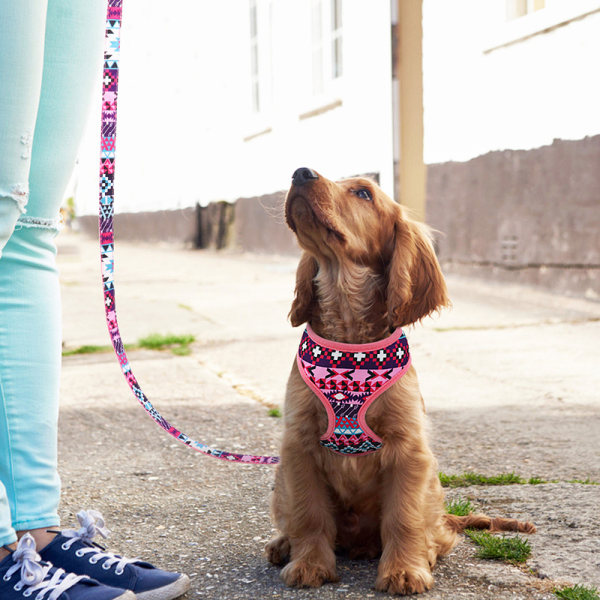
[304, 299]
[416, 286]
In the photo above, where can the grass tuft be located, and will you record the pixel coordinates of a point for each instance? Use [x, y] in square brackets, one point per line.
[467, 479]
[178, 344]
[274, 412]
[184, 350]
[587, 481]
[157, 341]
[459, 507]
[577, 592]
[508, 549]
[87, 349]
[536, 481]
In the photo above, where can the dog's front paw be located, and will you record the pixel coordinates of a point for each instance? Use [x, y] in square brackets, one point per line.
[301, 573]
[278, 550]
[404, 581]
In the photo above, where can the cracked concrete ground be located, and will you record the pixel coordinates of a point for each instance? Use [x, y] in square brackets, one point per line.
[510, 377]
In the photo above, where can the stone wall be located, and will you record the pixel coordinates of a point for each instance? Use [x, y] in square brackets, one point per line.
[249, 224]
[521, 216]
[525, 216]
[179, 226]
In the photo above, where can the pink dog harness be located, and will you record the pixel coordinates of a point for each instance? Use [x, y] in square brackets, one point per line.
[347, 378]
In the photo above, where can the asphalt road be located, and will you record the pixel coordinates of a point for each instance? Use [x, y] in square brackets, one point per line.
[510, 377]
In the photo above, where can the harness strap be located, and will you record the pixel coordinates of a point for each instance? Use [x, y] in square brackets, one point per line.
[110, 85]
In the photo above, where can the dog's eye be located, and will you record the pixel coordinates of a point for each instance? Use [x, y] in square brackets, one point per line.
[364, 194]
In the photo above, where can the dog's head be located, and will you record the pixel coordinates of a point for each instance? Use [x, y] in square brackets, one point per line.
[352, 222]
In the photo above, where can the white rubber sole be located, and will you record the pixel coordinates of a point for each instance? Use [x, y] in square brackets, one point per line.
[126, 596]
[168, 592]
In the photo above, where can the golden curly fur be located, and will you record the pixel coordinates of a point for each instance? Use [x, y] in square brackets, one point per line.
[365, 270]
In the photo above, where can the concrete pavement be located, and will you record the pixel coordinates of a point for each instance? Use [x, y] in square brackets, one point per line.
[510, 377]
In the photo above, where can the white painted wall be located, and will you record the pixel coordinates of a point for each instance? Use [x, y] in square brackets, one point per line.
[516, 96]
[185, 104]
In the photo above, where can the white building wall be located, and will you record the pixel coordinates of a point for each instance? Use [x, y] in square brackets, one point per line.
[185, 112]
[483, 93]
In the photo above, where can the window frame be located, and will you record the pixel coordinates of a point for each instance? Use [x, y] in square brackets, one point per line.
[327, 43]
[555, 13]
[260, 69]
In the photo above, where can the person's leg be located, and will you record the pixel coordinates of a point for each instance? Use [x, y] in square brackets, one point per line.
[22, 27]
[72, 66]
[30, 327]
[7, 533]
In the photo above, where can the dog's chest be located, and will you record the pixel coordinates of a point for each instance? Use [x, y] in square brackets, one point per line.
[353, 478]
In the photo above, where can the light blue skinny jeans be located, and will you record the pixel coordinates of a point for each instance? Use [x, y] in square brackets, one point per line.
[50, 55]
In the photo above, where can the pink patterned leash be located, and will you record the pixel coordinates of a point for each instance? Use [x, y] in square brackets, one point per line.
[107, 173]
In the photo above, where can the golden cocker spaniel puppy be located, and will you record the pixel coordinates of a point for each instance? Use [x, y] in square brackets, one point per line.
[356, 471]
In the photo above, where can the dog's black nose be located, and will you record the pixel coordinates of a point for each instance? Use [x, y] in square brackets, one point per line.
[303, 175]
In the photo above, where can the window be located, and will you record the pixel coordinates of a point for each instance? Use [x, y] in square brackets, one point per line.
[528, 18]
[336, 38]
[327, 63]
[261, 49]
[254, 71]
[317, 47]
[520, 8]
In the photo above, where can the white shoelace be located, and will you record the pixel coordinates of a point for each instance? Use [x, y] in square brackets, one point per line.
[92, 524]
[35, 574]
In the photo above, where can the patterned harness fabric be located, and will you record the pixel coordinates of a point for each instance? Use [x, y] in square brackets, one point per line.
[348, 378]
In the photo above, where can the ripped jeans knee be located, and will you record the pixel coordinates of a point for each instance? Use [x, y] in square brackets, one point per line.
[13, 215]
[19, 193]
[12, 206]
[27, 222]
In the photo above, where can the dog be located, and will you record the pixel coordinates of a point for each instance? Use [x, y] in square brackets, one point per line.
[371, 489]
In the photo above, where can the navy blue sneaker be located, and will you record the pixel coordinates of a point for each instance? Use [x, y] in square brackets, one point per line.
[76, 552]
[22, 574]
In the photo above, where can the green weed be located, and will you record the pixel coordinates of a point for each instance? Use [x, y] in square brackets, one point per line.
[587, 481]
[459, 507]
[178, 344]
[157, 341]
[536, 481]
[467, 479]
[508, 549]
[274, 412]
[87, 349]
[184, 350]
[577, 592]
